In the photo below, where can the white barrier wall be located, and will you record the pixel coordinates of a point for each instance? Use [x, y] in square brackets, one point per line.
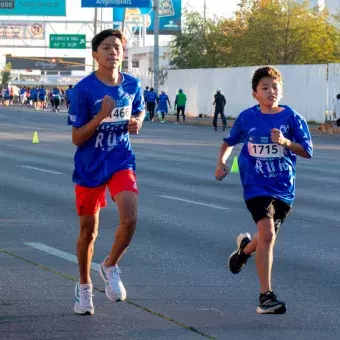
[305, 88]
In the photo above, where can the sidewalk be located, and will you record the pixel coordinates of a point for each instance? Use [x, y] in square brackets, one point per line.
[196, 121]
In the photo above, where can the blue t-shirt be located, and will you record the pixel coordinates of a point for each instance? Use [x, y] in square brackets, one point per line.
[151, 97]
[268, 169]
[163, 102]
[56, 93]
[42, 93]
[69, 94]
[109, 149]
[34, 93]
[22, 91]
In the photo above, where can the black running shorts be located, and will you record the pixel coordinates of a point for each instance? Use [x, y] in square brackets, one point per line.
[266, 206]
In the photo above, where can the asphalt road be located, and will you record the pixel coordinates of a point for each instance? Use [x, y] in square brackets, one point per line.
[177, 283]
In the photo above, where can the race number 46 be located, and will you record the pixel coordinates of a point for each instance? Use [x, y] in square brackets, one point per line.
[7, 4]
[265, 150]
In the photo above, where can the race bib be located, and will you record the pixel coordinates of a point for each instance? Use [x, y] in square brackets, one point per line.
[119, 114]
[265, 150]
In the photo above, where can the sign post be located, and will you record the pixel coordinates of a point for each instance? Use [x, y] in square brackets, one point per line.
[68, 41]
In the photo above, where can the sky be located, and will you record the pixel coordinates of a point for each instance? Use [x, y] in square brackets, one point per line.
[75, 12]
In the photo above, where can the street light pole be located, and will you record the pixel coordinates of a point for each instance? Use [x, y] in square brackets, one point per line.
[156, 44]
[95, 25]
[204, 14]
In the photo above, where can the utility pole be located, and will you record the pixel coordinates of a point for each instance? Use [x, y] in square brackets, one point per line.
[204, 14]
[156, 44]
[95, 25]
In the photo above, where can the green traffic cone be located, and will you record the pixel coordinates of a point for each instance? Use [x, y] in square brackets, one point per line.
[234, 167]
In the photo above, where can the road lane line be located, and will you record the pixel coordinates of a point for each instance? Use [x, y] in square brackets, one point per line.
[193, 202]
[56, 252]
[128, 301]
[39, 169]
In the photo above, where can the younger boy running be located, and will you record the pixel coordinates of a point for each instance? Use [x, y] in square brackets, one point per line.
[106, 106]
[272, 136]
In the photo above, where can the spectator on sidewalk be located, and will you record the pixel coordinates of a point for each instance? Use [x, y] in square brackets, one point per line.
[180, 103]
[151, 100]
[336, 111]
[219, 103]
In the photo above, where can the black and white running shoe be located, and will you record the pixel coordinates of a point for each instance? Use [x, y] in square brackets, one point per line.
[238, 258]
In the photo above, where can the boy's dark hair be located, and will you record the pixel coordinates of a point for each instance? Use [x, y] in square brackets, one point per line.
[101, 36]
[338, 96]
[263, 73]
[152, 89]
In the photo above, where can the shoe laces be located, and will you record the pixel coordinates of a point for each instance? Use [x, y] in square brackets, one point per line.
[269, 296]
[113, 274]
[86, 296]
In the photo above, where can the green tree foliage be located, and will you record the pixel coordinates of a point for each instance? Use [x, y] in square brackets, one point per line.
[6, 74]
[262, 32]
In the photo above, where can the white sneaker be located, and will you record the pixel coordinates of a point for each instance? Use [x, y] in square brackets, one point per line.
[114, 288]
[84, 303]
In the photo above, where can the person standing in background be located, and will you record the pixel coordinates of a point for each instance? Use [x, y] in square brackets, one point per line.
[145, 92]
[219, 103]
[180, 102]
[151, 99]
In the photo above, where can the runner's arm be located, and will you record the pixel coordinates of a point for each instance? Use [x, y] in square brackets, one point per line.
[225, 152]
[296, 148]
[140, 116]
[83, 134]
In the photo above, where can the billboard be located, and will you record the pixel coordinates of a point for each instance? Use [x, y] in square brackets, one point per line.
[21, 30]
[33, 7]
[46, 64]
[170, 16]
[116, 3]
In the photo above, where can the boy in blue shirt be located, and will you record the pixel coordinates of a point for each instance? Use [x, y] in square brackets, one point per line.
[272, 136]
[105, 108]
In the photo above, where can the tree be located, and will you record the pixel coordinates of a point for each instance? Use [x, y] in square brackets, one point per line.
[6, 74]
[298, 35]
[261, 32]
[200, 45]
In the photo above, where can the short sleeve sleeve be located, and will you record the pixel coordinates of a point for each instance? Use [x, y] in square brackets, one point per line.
[301, 134]
[80, 111]
[138, 104]
[236, 135]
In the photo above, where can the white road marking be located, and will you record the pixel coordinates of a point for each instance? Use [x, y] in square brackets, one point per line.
[194, 202]
[39, 169]
[59, 253]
